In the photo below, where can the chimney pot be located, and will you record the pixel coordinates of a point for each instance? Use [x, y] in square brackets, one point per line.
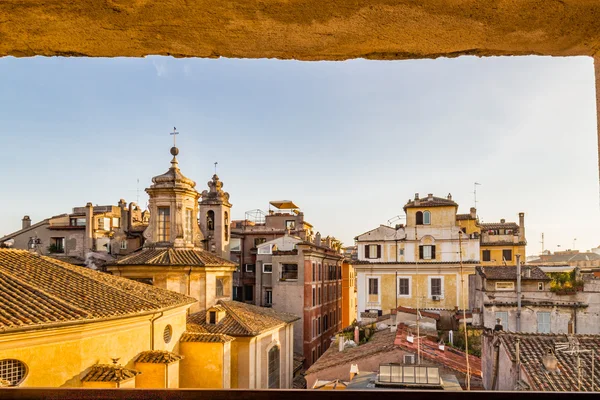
[473, 212]
[550, 362]
[26, 222]
[449, 196]
[430, 195]
[416, 196]
[502, 221]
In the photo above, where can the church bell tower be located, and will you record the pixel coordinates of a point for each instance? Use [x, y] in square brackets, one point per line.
[215, 218]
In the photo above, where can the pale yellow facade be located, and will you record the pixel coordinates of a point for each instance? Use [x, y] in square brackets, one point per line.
[60, 356]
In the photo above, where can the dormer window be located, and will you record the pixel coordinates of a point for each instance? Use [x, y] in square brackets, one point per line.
[212, 317]
[426, 218]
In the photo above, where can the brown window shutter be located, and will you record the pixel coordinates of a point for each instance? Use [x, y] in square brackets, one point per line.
[378, 251]
[433, 252]
[420, 252]
[367, 255]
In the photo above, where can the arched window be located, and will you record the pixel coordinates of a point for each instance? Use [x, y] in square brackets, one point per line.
[426, 218]
[210, 220]
[419, 218]
[226, 226]
[274, 368]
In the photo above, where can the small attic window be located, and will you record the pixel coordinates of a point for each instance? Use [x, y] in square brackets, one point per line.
[212, 317]
[168, 333]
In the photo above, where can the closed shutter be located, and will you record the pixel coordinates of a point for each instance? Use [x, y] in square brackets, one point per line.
[367, 255]
[420, 252]
[433, 252]
[378, 251]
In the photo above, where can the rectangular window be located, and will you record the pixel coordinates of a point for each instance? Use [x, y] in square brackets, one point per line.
[314, 272]
[314, 356]
[505, 286]
[409, 359]
[250, 268]
[58, 245]
[267, 268]
[486, 255]
[319, 276]
[436, 286]
[235, 244]
[427, 252]
[401, 252]
[503, 317]
[325, 293]
[373, 251]
[212, 319]
[543, 320]
[116, 222]
[318, 325]
[258, 241]
[403, 286]
[189, 220]
[219, 287]
[238, 293]
[266, 249]
[268, 297]
[164, 224]
[507, 255]
[314, 296]
[290, 225]
[289, 271]
[373, 286]
[248, 293]
[319, 297]
[77, 222]
[540, 286]
[123, 244]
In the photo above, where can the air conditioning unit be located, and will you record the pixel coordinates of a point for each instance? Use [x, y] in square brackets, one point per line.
[436, 297]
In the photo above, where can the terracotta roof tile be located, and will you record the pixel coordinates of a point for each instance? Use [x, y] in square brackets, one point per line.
[451, 358]
[463, 217]
[382, 341]
[189, 336]
[241, 320]
[532, 347]
[37, 291]
[430, 202]
[170, 256]
[498, 225]
[109, 373]
[510, 273]
[157, 357]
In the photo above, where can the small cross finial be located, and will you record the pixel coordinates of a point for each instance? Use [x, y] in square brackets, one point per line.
[174, 134]
[216, 167]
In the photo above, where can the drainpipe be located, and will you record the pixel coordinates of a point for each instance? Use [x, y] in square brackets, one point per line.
[518, 293]
[152, 330]
[496, 362]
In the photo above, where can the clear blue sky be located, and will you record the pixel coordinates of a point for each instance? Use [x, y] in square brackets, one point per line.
[349, 142]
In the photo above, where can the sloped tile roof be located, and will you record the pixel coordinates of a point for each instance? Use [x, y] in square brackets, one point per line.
[241, 320]
[157, 357]
[451, 358]
[532, 347]
[298, 362]
[171, 256]
[566, 258]
[510, 273]
[189, 336]
[109, 373]
[299, 382]
[38, 291]
[430, 202]
[382, 341]
[464, 217]
[498, 225]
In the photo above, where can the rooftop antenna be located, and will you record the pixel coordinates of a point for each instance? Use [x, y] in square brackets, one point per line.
[475, 192]
[216, 162]
[542, 242]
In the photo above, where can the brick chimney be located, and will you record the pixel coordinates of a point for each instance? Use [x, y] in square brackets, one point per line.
[318, 239]
[473, 212]
[88, 240]
[26, 222]
[521, 227]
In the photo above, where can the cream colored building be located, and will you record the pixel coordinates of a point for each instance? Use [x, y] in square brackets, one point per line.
[424, 264]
